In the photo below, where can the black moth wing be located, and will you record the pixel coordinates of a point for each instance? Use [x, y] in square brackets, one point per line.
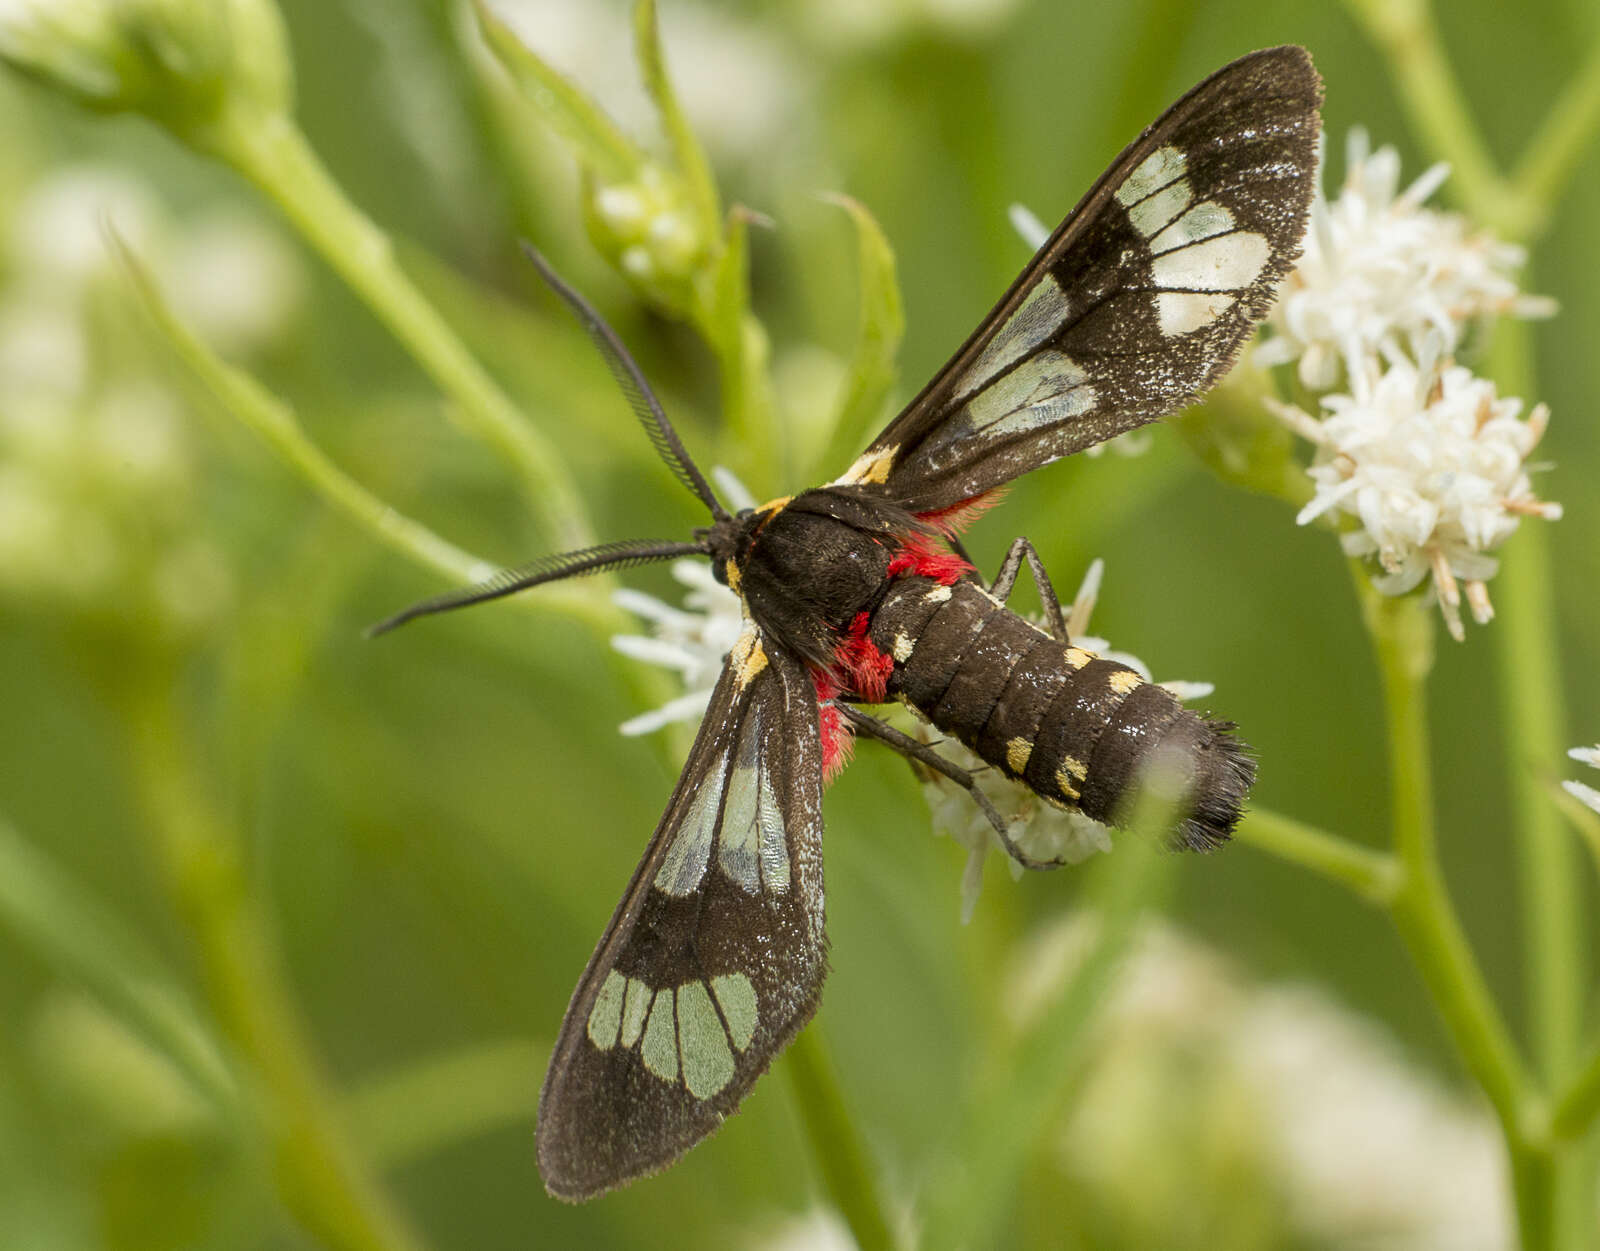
[715, 957]
[1140, 300]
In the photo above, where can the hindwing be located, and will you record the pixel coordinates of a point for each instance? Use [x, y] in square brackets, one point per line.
[715, 957]
[1139, 300]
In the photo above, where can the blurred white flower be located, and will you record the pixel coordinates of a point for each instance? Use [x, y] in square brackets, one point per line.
[820, 1229]
[852, 24]
[1378, 266]
[1040, 830]
[735, 82]
[1430, 461]
[59, 230]
[235, 279]
[1373, 1152]
[692, 640]
[1200, 1075]
[1578, 790]
[98, 474]
[44, 357]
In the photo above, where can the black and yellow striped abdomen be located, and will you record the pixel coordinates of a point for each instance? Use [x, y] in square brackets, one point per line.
[1075, 728]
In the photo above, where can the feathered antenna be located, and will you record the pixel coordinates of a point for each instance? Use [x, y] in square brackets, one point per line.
[607, 555]
[629, 377]
[545, 569]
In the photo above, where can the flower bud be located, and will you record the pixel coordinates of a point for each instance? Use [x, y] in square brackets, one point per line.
[186, 63]
[647, 228]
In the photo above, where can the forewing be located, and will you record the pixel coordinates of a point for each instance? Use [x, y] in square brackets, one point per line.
[1139, 301]
[714, 958]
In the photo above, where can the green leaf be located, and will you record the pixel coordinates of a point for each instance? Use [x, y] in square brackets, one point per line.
[689, 156]
[742, 350]
[567, 110]
[417, 1110]
[871, 373]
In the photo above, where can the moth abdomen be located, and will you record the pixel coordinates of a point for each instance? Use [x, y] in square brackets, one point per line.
[1075, 728]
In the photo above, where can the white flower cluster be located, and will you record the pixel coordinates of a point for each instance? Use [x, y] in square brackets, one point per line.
[1580, 791]
[1430, 461]
[1378, 267]
[692, 640]
[1423, 462]
[1038, 829]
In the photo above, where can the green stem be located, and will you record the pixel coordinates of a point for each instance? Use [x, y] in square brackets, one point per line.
[836, 1145]
[274, 154]
[319, 1177]
[1404, 31]
[1402, 631]
[1533, 713]
[1553, 154]
[1576, 1110]
[1549, 862]
[1374, 875]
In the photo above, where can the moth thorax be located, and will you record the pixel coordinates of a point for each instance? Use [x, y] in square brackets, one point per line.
[809, 575]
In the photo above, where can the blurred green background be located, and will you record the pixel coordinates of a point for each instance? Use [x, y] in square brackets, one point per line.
[438, 824]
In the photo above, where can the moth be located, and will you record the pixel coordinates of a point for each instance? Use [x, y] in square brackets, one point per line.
[859, 592]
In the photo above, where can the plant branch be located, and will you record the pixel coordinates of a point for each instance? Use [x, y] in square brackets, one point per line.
[1374, 875]
[1402, 631]
[1552, 155]
[1405, 32]
[836, 1147]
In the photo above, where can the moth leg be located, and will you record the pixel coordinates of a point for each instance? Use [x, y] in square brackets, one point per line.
[924, 755]
[1006, 579]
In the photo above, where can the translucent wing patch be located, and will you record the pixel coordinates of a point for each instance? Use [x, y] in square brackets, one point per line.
[716, 954]
[1138, 302]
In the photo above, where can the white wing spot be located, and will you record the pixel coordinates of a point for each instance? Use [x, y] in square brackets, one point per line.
[1200, 222]
[1225, 263]
[702, 1044]
[660, 1050]
[737, 998]
[938, 595]
[635, 1003]
[1149, 216]
[1035, 320]
[1155, 171]
[1051, 387]
[1181, 312]
[904, 645]
[774, 844]
[685, 862]
[736, 845]
[606, 1015]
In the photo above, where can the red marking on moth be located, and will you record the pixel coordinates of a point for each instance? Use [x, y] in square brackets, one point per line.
[927, 557]
[837, 739]
[953, 520]
[862, 667]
